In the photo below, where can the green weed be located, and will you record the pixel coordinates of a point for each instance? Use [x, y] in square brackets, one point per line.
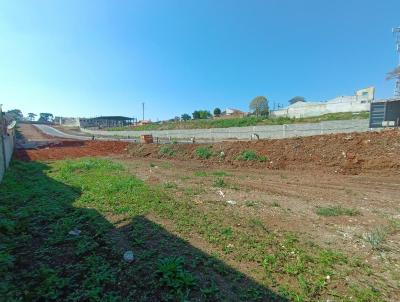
[336, 211]
[376, 237]
[165, 150]
[200, 173]
[174, 276]
[203, 152]
[250, 155]
[220, 182]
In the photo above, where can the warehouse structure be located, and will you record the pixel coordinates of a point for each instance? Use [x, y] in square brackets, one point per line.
[106, 122]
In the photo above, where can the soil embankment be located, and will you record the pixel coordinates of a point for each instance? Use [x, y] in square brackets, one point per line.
[337, 153]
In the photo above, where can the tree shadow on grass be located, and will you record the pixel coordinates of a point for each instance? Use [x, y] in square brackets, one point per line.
[42, 260]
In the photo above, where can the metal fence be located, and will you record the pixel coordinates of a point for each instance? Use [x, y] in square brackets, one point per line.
[7, 143]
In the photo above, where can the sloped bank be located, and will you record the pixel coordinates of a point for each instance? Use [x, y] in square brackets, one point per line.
[337, 153]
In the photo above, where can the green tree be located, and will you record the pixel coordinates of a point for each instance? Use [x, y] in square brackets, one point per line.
[296, 99]
[32, 116]
[259, 106]
[196, 114]
[217, 112]
[201, 114]
[185, 117]
[204, 114]
[15, 114]
[46, 117]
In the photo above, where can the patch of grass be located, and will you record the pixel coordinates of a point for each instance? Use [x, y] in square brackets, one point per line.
[220, 182]
[173, 275]
[200, 173]
[366, 294]
[336, 211]
[203, 152]
[166, 165]
[275, 204]
[170, 185]
[165, 150]
[251, 203]
[220, 173]
[376, 237]
[250, 155]
[257, 223]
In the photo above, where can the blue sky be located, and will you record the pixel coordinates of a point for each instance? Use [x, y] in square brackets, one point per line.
[90, 58]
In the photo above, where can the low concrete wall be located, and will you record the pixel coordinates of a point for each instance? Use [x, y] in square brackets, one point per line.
[278, 131]
[7, 143]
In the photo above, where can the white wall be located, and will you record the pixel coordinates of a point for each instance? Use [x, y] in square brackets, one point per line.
[308, 109]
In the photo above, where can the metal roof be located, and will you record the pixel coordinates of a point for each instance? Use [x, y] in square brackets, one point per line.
[115, 118]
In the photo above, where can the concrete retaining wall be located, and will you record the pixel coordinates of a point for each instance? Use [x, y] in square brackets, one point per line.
[278, 131]
[7, 143]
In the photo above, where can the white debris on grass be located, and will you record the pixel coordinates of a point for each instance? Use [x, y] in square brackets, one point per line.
[221, 193]
[128, 256]
[74, 232]
[232, 202]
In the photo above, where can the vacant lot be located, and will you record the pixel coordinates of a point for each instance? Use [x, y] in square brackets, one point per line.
[205, 226]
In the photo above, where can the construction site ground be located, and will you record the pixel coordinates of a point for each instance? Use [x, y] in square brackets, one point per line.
[356, 175]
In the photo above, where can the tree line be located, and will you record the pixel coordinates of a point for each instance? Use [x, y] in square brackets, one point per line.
[259, 107]
[16, 114]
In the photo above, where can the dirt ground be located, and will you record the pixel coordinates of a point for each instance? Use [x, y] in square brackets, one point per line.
[71, 149]
[358, 171]
[287, 201]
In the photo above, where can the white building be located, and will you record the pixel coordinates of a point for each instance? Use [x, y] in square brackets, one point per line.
[360, 101]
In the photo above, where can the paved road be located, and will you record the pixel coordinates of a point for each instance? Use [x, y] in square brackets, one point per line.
[46, 129]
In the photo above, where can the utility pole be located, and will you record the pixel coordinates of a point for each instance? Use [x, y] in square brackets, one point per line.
[396, 32]
[143, 111]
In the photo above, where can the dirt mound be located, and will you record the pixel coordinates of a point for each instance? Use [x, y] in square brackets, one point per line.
[72, 149]
[337, 153]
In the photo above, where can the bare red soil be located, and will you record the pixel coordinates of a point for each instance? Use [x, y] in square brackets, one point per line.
[72, 149]
[338, 153]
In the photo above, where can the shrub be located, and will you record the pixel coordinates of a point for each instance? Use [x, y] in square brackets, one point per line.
[203, 152]
[165, 150]
[250, 155]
